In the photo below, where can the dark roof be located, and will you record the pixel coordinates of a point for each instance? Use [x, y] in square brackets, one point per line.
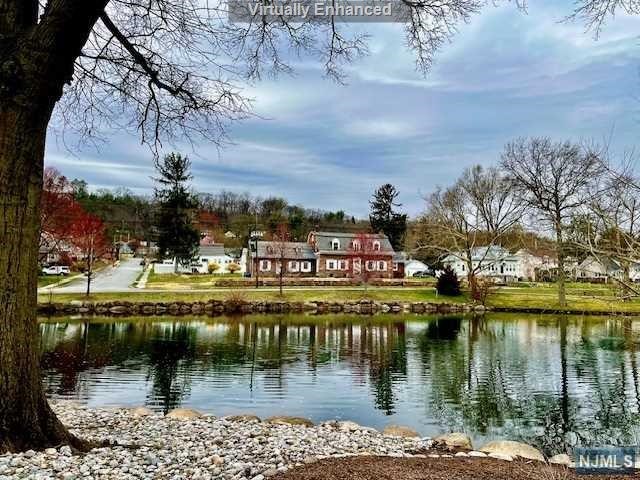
[215, 250]
[300, 250]
[400, 257]
[323, 241]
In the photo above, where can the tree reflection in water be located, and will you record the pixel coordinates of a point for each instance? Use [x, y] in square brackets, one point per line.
[552, 381]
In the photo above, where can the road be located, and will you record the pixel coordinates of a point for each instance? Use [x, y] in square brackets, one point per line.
[110, 279]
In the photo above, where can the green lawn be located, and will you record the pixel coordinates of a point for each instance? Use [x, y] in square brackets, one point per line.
[580, 297]
[195, 280]
[172, 281]
[44, 280]
[293, 294]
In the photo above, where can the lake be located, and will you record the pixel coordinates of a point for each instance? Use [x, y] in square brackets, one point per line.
[555, 382]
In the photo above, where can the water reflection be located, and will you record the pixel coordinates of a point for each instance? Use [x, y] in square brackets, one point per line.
[553, 381]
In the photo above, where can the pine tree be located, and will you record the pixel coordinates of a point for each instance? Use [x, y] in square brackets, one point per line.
[448, 283]
[178, 238]
[384, 219]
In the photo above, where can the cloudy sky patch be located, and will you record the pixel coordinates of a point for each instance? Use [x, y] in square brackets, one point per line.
[324, 145]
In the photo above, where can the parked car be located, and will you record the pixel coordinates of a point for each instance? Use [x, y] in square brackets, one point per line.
[56, 270]
[424, 274]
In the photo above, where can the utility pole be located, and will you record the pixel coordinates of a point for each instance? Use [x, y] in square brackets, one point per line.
[255, 249]
[90, 265]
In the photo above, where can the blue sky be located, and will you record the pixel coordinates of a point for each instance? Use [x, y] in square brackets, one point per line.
[323, 145]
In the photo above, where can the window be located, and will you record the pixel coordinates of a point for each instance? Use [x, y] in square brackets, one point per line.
[376, 245]
[269, 249]
[371, 265]
[205, 261]
[462, 267]
[395, 266]
[265, 265]
[335, 244]
[382, 266]
[343, 265]
[306, 266]
[294, 266]
[331, 264]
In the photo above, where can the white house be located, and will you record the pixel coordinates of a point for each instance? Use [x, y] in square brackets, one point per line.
[491, 261]
[530, 265]
[412, 266]
[602, 269]
[207, 254]
[210, 255]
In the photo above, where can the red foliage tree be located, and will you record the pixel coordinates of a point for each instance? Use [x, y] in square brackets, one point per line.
[57, 209]
[88, 235]
[207, 221]
[363, 249]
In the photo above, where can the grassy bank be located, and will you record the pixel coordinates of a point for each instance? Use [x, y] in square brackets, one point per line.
[292, 294]
[44, 280]
[172, 281]
[580, 297]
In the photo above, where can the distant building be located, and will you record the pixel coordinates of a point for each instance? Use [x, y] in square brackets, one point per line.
[399, 261]
[54, 251]
[593, 269]
[209, 253]
[295, 259]
[413, 266]
[326, 254]
[493, 261]
[337, 255]
[534, 267]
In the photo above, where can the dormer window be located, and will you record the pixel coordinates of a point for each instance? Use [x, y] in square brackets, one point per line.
[269, 249]
[355, 245]
[335, 244]
[376, 246]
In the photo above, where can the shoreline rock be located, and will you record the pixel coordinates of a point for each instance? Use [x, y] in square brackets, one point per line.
[222, 307]
[149, 445]
[513, 449]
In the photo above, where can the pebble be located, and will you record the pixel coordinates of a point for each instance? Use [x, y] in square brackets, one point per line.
[201, 448]
[477, 454]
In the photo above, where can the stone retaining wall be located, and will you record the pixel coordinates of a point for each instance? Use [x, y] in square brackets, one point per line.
[220, 307]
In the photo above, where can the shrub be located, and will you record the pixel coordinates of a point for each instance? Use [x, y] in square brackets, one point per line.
[213, 267]
[234, 301]
[481, 289]
[233, 267]
[448, 283]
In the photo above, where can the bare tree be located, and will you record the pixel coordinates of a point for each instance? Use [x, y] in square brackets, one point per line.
[554, 180]
[479, 210]
[611, 224]
[595, 12]
[283, 251]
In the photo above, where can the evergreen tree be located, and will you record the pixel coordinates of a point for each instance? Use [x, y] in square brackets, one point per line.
[384, 219]
[177, 238]
[448, 283]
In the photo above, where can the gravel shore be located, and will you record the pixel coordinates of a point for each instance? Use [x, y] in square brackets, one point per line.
[148, 445]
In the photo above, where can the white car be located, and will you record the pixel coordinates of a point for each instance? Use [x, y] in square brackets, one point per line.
[56, 270]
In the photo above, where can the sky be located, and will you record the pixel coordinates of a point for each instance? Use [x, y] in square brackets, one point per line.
[328, 146]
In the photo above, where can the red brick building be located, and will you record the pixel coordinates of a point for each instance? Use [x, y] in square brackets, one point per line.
[329, 254]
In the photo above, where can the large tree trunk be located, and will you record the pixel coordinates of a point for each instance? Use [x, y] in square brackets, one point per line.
[26, 420]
